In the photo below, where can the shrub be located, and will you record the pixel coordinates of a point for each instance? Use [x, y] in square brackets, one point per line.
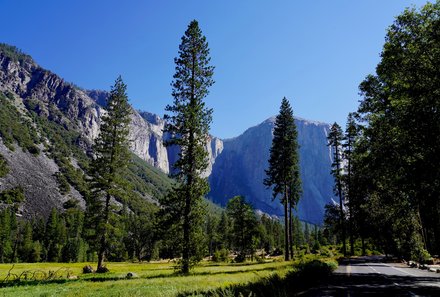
[4, 169]
[221, 255]
[316, 269]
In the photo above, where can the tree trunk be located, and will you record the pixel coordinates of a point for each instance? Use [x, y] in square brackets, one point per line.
[286, 228]
[103, 241]
[290, 231]
[186, 231]
[341, 209]
[363, 245]
[350, 226]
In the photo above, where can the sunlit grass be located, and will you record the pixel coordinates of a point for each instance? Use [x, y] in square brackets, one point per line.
[154, 279]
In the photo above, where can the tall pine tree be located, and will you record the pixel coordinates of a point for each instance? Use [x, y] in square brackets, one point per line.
[282, 173]
[335, 138]
[108, 167]
[348, 147]
[188, 126]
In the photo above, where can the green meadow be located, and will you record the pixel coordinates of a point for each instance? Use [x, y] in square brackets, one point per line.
[152, 279]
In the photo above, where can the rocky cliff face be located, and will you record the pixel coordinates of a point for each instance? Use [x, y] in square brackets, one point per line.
[239, 169]
[59, 101]
[147, 138]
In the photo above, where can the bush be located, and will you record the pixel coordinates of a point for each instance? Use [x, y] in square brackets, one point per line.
[316, 269]
[221, 255]
[424, 257]
[326, 252]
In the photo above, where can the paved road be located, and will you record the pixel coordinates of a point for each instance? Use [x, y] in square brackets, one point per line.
[364, 277]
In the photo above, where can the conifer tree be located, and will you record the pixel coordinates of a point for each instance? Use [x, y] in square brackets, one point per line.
[188, 126]
[335, 141]
[244, 226]
[348, 146]
[108, 167]
[283, 170]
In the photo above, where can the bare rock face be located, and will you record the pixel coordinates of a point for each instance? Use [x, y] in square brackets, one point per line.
[147, 139]
[58, 100]
[214, 147]
[35, 174]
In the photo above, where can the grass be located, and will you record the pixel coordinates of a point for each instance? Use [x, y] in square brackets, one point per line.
[154, 279]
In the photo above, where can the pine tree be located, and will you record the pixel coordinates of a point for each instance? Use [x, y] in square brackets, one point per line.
[335, 141]
[108, 167]
[244, 226]
[188, 126]
[348, 146]
[282, 174]
[223, 230]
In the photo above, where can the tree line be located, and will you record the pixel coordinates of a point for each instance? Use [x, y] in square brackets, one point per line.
[388, 174]
[236, 233]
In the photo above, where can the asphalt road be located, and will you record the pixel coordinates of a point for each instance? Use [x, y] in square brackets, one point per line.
[371, 277]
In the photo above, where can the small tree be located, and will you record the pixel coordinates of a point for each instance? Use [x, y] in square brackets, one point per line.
[108, 167]
[283, 174]
[188, 126]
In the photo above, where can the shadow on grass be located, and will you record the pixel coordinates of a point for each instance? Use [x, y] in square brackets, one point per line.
[307, 275]
[16, 283]
[105, 278]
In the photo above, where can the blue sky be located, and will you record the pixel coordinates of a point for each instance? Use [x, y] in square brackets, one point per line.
[313, 52]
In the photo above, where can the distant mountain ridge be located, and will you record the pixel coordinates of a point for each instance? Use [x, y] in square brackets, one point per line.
[236, 166]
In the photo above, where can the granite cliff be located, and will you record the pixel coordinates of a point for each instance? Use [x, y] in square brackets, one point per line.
[239, 169]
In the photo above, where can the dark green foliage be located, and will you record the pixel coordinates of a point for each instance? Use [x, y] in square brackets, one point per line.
[109, 167]
[15, 129]
[4, 168]
[8, 235]
[396, 157]
[243, 227]
[13, 197]
[283, 171]
[55, 237]
[141, 236]
[271, 234]
[63, 184]
[188, 126]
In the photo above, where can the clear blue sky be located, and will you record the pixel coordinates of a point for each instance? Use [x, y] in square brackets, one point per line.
[313, 52]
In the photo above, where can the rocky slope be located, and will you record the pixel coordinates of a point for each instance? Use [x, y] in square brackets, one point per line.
[66, 120]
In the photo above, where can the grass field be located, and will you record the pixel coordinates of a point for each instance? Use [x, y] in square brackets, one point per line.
[154, 279]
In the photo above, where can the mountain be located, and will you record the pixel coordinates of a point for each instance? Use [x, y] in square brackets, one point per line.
[47, 127]
[61, 121]
[239, 169]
